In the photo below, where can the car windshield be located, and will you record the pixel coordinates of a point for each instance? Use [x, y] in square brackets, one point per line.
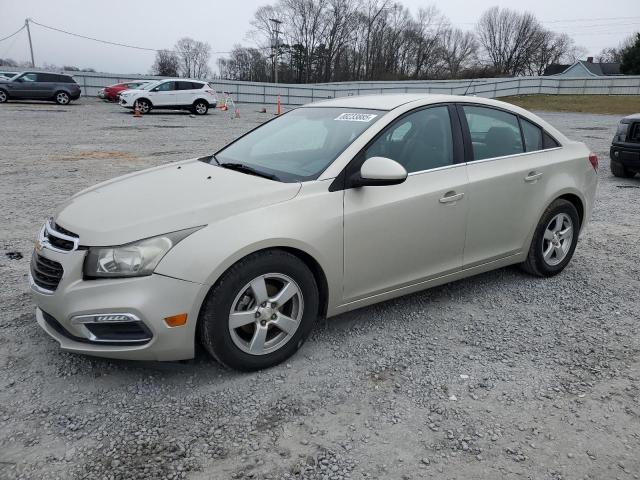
[299, 145]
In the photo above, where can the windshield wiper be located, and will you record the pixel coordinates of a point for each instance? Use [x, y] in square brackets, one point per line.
[241, 167]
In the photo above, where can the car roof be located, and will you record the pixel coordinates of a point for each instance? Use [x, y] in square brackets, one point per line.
[387, 101]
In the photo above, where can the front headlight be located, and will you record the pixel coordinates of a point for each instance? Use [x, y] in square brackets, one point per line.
[135, 259]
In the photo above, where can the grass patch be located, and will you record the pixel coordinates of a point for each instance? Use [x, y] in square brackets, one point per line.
[605, 104]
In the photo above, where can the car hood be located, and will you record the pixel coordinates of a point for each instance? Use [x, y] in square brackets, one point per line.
[166, 199]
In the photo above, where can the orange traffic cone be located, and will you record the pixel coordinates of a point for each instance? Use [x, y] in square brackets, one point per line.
[136, 111]
[278, 105]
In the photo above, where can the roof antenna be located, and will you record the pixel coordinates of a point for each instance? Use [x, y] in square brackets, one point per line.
[468, 87]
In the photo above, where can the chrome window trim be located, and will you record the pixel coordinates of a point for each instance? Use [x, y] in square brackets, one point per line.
[428, 170]
[513, 155]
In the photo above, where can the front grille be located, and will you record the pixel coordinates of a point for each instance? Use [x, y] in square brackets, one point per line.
[46, 273]
[54, 235]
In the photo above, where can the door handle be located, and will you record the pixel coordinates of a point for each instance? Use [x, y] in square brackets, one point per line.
[532, 177]
[451, 197]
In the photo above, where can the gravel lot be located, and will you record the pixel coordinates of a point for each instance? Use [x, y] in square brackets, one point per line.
[498, 376]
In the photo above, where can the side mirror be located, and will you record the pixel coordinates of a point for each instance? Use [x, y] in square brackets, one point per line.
[378, 171]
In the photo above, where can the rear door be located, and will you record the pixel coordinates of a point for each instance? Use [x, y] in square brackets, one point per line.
[188, 92]
[509, 166]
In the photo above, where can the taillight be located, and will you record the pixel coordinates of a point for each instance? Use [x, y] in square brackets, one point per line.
[593, 159]
[210, 92]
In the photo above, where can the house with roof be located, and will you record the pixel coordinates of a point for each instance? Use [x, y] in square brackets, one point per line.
[583, 68]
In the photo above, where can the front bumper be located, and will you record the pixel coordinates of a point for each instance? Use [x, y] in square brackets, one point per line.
[149, 299]
[627, 155]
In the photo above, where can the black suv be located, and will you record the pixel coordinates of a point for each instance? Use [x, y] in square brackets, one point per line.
[39, 86]
[625, 148]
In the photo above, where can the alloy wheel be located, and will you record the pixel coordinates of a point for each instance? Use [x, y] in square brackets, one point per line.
[201, 108]
[62, 98]
[143, 107]
[3, 96]
[266, 314]
[557, 239]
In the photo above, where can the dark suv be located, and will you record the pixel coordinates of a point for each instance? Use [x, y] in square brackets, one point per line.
[625, 148]
[40, 86]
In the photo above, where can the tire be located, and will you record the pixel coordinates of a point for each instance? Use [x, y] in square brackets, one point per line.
[240, 345]
[560, 223]
[620, 171]
[143, 104]
[62, 98]
[4, 96]
[200, 107]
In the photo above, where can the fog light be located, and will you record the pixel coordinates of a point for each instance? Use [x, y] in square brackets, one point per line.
[176, 320]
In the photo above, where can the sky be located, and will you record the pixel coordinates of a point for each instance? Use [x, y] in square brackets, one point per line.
[594, 24]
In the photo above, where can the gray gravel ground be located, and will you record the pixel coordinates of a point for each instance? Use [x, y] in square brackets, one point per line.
[498, 376]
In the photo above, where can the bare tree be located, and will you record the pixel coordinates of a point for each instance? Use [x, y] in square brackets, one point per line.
[194, 57]
[166, 65]
[509, 39]
[459, 50]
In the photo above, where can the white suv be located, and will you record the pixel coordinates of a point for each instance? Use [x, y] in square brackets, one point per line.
[173, 94]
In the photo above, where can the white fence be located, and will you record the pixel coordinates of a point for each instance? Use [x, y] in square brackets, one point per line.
[298, 94]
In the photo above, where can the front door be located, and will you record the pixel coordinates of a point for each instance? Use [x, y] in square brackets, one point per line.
[164, 94]
[399, 235]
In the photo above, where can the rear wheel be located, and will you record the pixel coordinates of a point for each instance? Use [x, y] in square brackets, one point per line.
[3, 96]
[200, 107]
[619, 170]
[260, 312]
[62, 98]
[554, 240]
[142, 105]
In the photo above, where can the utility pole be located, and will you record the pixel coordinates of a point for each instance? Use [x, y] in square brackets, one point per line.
[277, 45]
[26, 24]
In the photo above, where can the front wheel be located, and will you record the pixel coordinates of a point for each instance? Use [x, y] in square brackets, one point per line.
[200, 107]
[554, 240]
[3, 96]
[142, 105]
[260, 311]
[62, 98]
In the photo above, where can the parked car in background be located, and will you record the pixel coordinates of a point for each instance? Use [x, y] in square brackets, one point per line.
[112, 92]
[7, 74]
[101, 93]
[174, 94]
[55, 87]
[625, 148]
[330, 207]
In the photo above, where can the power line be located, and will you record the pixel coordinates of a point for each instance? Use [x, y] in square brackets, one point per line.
[118, 44]
[14, 33]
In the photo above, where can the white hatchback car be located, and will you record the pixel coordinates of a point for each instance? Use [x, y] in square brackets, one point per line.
[173, 94]
[325, 209]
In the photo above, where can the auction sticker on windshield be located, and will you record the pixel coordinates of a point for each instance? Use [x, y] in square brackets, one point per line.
[356, 117]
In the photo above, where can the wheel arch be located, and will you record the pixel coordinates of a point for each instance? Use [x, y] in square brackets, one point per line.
[576, 201]
[309, 260]
[143, 98]
[200, 99]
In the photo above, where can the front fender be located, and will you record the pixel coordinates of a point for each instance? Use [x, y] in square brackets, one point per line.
[310, 222]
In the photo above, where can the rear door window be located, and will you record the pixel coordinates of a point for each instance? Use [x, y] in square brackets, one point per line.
[494, 133]
[532, 136]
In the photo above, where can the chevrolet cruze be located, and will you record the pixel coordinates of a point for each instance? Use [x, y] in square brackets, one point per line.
[325, 209]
